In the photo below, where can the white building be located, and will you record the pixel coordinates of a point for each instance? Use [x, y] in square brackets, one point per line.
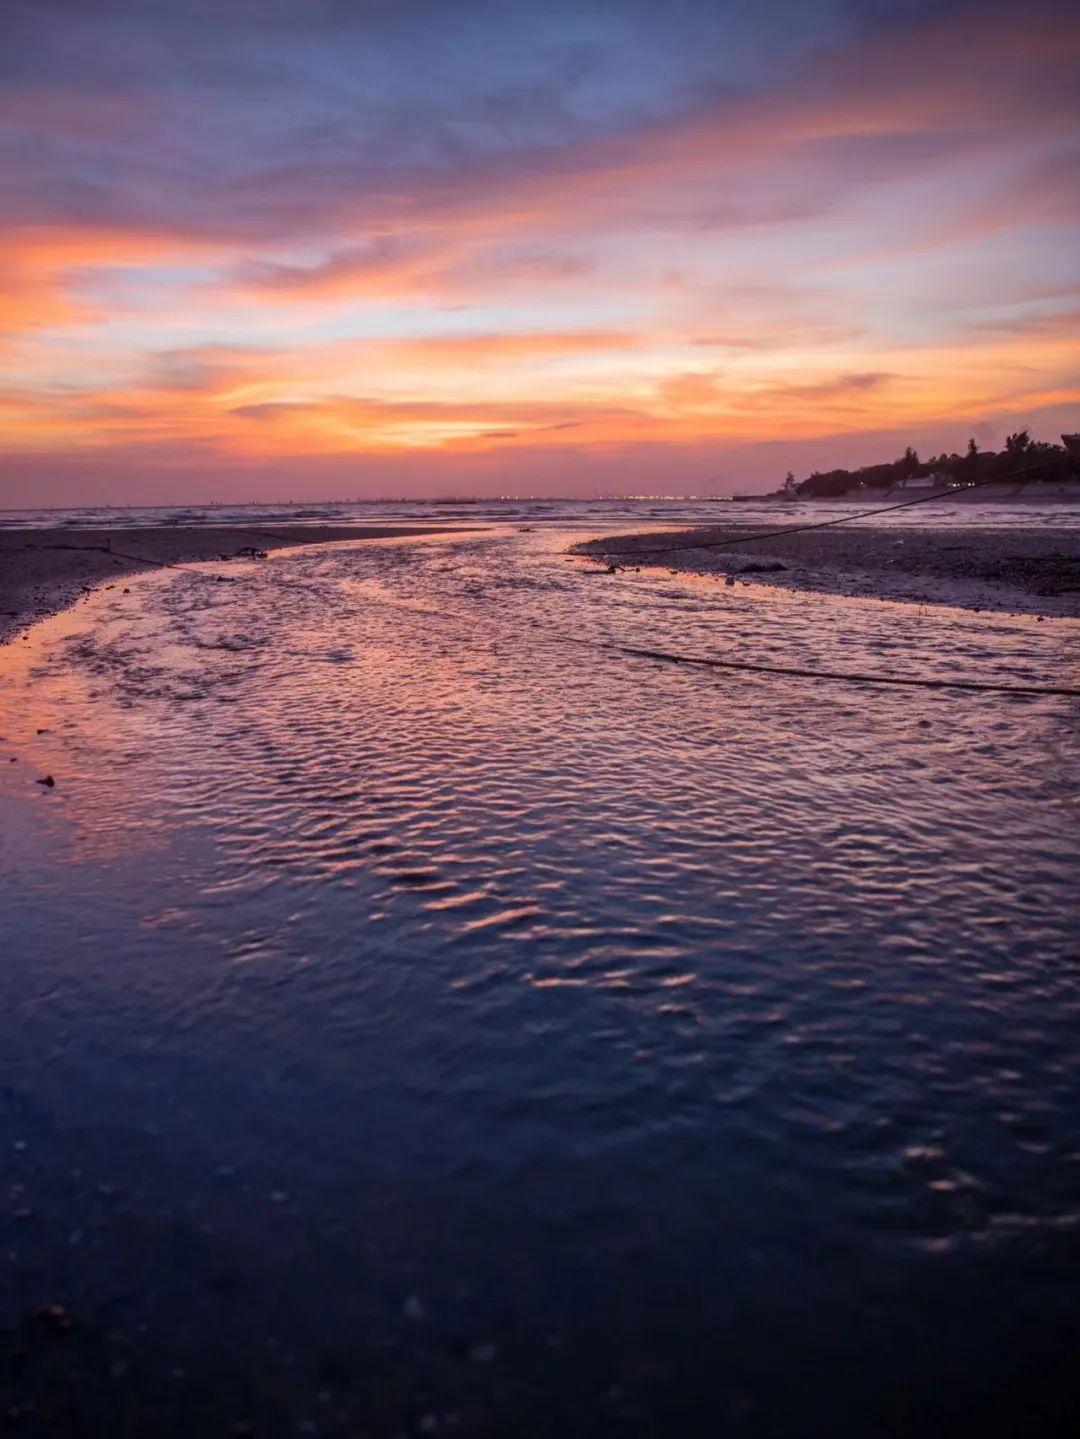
[939, 480]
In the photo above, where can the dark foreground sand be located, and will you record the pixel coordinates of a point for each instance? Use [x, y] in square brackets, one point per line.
[1023, 570]
[45, 570]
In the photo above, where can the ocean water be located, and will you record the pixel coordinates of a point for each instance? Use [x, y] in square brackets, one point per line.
[417, 1018]
[598, 514]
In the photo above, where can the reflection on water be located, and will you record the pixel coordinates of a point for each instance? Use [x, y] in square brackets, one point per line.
[476, 1032]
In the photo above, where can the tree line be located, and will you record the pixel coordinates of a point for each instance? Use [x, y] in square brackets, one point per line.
[1020, 452]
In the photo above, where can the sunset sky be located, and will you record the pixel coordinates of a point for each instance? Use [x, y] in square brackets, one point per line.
[314, 248]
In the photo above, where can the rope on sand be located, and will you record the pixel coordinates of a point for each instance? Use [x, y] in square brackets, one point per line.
[147, 560]
[251, 551]
[845, 675]
[822, 524]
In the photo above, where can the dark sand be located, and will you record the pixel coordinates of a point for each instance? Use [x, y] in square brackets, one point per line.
[46, 570]
[1022, 571]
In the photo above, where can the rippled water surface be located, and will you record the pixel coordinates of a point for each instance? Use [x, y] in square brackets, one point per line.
[417, 1018]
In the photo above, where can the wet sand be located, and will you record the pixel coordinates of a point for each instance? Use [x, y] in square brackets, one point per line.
[43, 571]
[1021, 571]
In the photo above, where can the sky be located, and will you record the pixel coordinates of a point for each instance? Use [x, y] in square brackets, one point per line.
[314, 249]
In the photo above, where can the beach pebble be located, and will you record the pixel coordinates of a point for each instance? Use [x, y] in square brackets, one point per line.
[414, 1307]
[482, 1353]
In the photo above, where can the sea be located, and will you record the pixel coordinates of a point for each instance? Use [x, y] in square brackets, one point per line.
[420, 1017]
[620, 511]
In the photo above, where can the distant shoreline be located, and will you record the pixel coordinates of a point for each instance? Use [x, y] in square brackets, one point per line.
[1014, 493]
[1029, 570]
[45, 570]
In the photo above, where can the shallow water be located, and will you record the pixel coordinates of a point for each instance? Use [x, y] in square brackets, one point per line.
[416, 1018]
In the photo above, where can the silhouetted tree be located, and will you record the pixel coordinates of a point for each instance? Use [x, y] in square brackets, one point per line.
[909, 465]
[1020, 452]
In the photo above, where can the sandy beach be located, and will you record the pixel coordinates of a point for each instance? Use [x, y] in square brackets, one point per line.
[1020, 571]
[46, 570]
